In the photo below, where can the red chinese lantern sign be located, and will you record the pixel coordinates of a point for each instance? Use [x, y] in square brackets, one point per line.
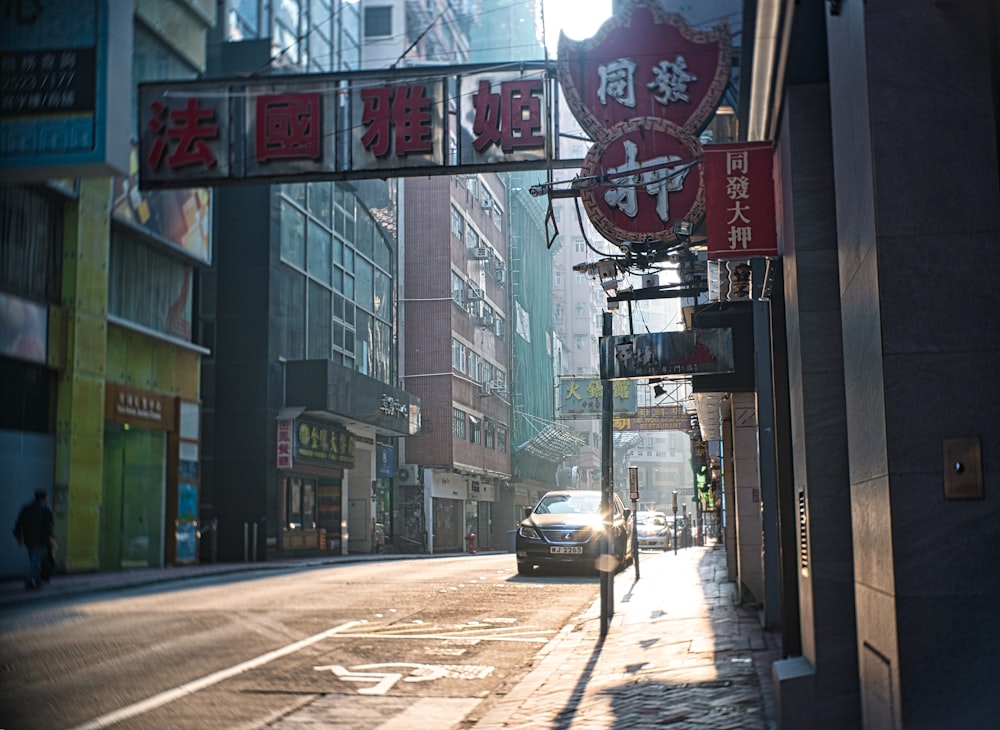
[648, 178]
[739, 200]
[643, 87]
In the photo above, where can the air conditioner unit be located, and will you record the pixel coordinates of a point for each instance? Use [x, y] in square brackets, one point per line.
[499, 387]
[409, 475]
[486, 318]
[485, 389]
[480, 252]
[475, 293]
[499, 274]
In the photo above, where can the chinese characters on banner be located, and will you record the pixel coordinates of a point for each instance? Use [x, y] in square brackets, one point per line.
[643, 87]
[583, 397]
[338, 124]
[739, 200]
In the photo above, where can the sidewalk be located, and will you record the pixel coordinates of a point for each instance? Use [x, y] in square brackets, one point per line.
[678, 653]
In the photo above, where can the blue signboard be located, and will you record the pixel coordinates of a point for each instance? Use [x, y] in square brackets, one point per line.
[65, 85]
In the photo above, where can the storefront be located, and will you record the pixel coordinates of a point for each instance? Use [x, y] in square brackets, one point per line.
[149, 509]
[336, 457]
[311, 459]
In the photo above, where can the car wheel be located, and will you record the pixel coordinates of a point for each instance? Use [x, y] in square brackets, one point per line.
[524, 568]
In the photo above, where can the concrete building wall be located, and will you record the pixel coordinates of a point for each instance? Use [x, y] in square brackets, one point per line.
[818, 414]
[913, 87]
[747, 512]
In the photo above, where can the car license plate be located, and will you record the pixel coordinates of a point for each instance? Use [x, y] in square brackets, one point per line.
[566, 550]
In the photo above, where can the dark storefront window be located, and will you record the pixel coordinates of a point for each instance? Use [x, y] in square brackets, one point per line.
[300, 504]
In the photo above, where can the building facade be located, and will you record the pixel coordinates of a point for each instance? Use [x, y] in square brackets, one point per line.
[300, 313]
[101, 383]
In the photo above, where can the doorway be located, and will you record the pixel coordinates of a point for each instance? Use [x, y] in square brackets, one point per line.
[132, 514]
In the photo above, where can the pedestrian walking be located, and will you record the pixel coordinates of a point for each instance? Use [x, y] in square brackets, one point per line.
[33, 529]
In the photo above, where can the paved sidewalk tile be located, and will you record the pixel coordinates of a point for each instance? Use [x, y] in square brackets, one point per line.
[678, 653]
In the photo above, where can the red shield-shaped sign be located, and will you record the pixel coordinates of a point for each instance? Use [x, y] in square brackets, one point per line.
[645, 63]
[641, 179]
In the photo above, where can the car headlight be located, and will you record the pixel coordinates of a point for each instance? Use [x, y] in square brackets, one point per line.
[529, 532]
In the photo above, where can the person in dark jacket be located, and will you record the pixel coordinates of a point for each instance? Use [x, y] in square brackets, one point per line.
[33, 529]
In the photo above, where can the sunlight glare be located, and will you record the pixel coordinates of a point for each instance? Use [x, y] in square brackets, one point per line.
[577, 19]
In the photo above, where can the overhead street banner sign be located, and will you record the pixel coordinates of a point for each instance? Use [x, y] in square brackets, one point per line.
[360, 124]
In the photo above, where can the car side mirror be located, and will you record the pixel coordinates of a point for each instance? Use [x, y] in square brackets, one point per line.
[628, 513]
[527, 512]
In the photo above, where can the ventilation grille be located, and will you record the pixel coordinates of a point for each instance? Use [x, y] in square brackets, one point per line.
[803, 535]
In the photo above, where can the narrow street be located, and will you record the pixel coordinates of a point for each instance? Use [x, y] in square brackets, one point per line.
[355, 644]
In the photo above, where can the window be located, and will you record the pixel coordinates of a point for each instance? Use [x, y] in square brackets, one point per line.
[490, 434]
[457, 288]
[581, 342]
[578, 245]
[458, 356]
[458, 423]
[558, 310]
[475, 430]
[148, 287]
[457, 223]
[558, 275]
[581, 310]
[498, 327]
[476, 367]
[502, 439]
[300, 504]
[378, 21]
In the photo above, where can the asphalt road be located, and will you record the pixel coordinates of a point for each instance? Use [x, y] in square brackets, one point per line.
[413, 643]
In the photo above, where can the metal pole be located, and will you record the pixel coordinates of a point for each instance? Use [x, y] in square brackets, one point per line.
[607, 453]
[675, 520]
[246, 541]
[635, 540]
[633, 488]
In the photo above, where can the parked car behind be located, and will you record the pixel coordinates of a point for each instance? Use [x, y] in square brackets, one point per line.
[564, 530]
[654, 531]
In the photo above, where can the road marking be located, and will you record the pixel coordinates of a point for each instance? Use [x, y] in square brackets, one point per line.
[382, 682]
[197, 685]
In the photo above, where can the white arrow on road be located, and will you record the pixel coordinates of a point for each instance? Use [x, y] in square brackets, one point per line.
[382, 682]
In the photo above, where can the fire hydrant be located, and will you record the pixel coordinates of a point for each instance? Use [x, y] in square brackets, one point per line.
[470, 541]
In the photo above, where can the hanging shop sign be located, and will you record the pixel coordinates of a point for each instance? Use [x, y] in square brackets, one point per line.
[583, 397]
[654, 418]
[667, 353]
[739, 200]
[644, 86]
[361, 124]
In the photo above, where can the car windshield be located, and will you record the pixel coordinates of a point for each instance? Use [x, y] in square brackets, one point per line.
[561, 504]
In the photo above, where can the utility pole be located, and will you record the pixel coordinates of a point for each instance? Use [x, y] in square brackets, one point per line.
[607, 490]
